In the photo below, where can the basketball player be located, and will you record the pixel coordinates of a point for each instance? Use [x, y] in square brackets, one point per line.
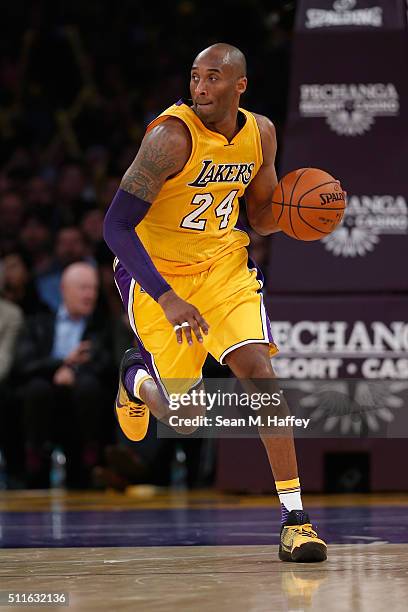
[182, 267]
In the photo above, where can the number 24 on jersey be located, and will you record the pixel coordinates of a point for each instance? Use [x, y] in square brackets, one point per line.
[203, 201]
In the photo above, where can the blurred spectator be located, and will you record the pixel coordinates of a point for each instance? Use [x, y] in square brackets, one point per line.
[11, 211]
[11, 319]
[62, 361]
[71, 184]
[36, 241]
[92, 227]
[39, 194]
[72, 193]
[108, 190]
[11, 218]
[5, 183]
[97, 158]
[70, 247]
[19, 286]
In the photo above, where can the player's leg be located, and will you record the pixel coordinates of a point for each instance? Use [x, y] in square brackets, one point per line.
[140, 393]
[251, 364]
[240, 336]
[159, 366]
[131, 411]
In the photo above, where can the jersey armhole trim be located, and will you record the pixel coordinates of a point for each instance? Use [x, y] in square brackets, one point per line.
[260, 140]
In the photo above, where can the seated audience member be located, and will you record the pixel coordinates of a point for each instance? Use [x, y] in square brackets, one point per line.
[11, 321]
[19, 286]
[107, 191]
[63, 360]
[11, 220]
[71, 191]
[39, 195]
[36, 240]
[69, 247]
[92, 227]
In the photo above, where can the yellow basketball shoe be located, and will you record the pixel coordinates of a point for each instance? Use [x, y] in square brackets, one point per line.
[132, 414]
[298, 541]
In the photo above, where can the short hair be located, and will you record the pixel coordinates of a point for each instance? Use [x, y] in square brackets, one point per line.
[234, 55]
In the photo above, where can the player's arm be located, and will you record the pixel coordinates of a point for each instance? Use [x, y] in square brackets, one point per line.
[258, 195]
[163, 153]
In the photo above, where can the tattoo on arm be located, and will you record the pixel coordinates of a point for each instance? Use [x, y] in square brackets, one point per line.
[158, 158]
[137, 183]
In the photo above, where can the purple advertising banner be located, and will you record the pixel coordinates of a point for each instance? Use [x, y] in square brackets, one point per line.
[340, 337]
[318, 15]
[335, 339]
[349, 116]
[361, 343]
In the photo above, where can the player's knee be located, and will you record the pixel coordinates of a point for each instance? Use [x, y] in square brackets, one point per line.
[259, 366]
[251, 361]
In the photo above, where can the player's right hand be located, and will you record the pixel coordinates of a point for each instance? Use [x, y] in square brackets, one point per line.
[178, 311]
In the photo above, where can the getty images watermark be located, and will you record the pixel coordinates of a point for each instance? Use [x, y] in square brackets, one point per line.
[208, 401]
[320, 408]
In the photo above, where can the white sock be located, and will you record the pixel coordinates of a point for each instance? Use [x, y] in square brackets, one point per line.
[140, 377]
[289, 496]
[291, 501]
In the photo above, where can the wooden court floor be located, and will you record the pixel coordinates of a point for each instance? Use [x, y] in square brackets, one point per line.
[201, 551]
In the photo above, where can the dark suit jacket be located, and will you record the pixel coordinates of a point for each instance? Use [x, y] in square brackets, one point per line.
[33, 356]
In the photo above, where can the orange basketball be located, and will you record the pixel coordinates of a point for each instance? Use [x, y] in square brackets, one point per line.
[308, 204]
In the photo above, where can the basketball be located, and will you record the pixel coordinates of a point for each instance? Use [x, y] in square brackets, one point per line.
[308, 204]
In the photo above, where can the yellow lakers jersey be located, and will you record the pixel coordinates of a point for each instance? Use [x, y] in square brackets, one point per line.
[191, 223]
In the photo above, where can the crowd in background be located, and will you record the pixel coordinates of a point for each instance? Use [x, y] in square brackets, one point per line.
[78, 84]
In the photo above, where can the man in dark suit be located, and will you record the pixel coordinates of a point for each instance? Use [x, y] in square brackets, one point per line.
[62, 360]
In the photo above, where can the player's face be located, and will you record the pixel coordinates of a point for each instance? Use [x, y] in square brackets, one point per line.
[215, 89]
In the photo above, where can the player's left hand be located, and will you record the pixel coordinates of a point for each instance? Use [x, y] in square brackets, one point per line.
[179, 312]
